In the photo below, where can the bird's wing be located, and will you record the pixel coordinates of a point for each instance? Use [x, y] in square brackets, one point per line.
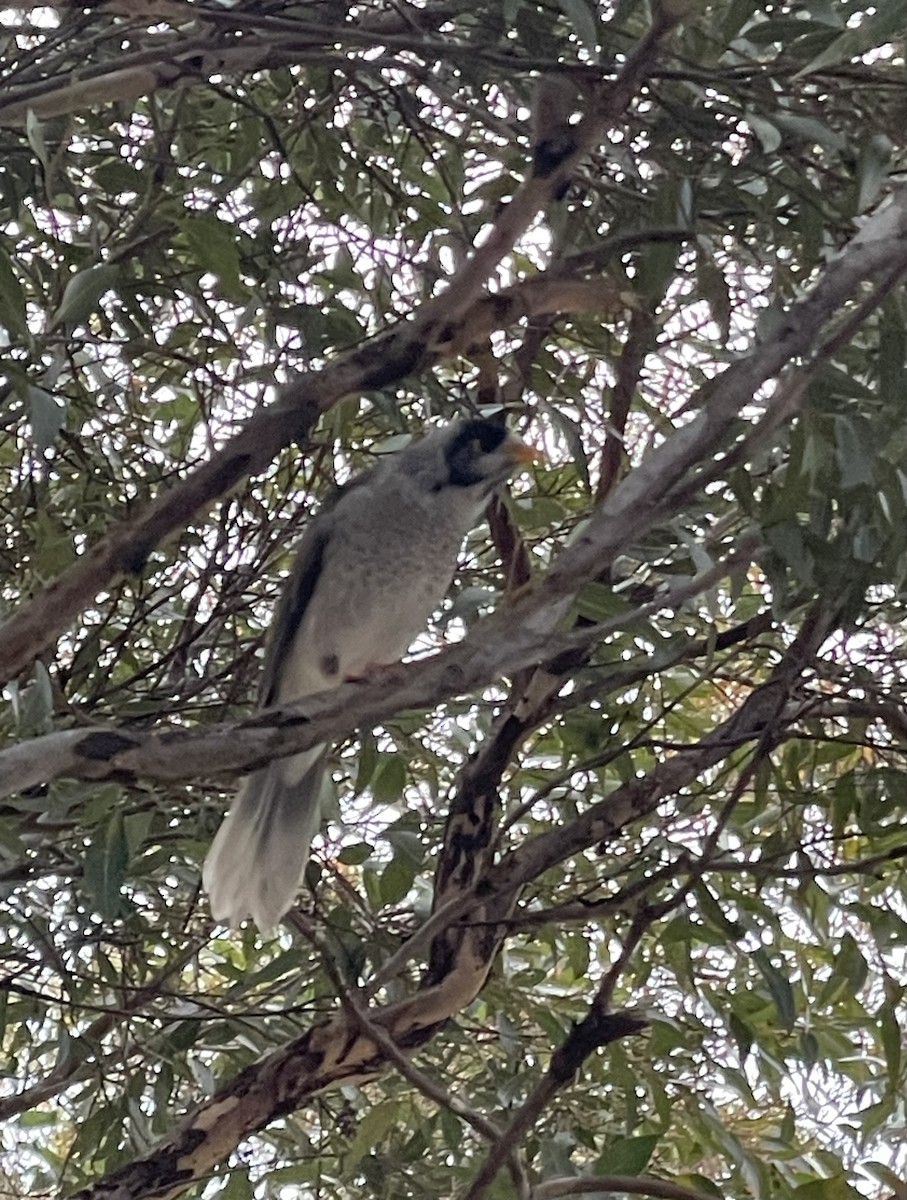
[297, 593]
[300, 587]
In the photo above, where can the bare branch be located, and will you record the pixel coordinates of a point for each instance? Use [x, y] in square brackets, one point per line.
[874, 255]
[598, 1028]
[631, 1185]
[496, 647]
[337, 1051]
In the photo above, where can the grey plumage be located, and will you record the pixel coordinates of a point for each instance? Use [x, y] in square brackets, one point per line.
[370, 570]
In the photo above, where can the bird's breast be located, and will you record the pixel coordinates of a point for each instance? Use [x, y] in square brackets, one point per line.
[387, 568]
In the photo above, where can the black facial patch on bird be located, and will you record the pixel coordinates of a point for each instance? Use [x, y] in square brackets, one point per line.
[464, 455]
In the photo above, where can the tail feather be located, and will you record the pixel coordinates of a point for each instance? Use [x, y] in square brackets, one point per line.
[260, 851]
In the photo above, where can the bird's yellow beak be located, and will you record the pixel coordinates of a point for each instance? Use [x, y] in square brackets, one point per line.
[520, 452]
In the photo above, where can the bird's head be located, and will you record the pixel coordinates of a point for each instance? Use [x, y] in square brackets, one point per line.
[466, 459]
[480, 454]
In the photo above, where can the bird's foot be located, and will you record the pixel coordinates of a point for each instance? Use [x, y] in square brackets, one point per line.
[368, 672]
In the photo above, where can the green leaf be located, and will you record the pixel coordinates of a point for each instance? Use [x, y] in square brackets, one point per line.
[885, 1175]
[809, 130]
[850, 963]
[34, 131]
[53, 550]
[713, 913]
[875, 159]
[600, 603]
[106, 864]
[118, 176]
[38, 1118]
[627, 1156]
[779, 988]
[767, 133]
[389, 779]
[876, 27]
[12, 299]
[355, 855]
[46, 417]
[36, 704]
[408, 846]
[367, 764]
[215, 247]
[374, 1126]
[834, 1188]
[82, 294]
[396, 881]
[742, 1034]
[892, 1040]
[583, 16]
[716, 293]
[237, 1187]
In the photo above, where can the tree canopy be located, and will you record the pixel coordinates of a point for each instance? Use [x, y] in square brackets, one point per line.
[611, 894]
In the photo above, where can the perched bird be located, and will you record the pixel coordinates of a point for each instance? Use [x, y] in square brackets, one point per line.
[371, 568]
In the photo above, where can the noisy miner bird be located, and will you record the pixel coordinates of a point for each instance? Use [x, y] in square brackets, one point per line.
[370, 570]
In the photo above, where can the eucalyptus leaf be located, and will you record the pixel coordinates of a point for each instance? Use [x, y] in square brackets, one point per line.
[47, 418]
[12, 298]
[82, 294]
[105, 867]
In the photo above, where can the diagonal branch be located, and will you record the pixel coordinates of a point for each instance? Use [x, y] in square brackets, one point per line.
[496, 647]
[435, 1091]
[440, 329]
[876, 255]
[650, 493]
[126, 546]
[339, 1051]
[598, 1028]
[170, 59]
[601, 822]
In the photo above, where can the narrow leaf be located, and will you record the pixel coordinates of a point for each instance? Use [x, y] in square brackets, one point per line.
[82, 293]
[46, 417]
[12, 298]
[582, 17]
[106, 862]
[779, 988]
[627, 1156]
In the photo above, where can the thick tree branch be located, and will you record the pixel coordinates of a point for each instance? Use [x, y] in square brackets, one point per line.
[337, 1050]
[432, 333]
[873, 256]
[223, 43]
[761, 710]
[125, 548]
[647, 495]
[391, 356]
[554, 161]
[496, 647]
[632, 507]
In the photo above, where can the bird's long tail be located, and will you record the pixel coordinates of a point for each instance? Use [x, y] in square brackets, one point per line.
[260, 851]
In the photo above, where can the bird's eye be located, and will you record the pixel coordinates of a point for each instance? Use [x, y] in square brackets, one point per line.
[473, 441]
